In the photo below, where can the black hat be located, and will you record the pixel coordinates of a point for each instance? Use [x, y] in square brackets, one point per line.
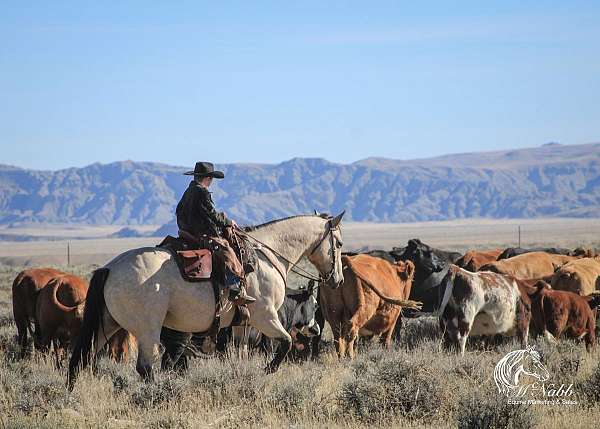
[206, 169]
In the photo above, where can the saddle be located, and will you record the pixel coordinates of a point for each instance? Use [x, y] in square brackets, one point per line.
[203, 258]
[207, 258]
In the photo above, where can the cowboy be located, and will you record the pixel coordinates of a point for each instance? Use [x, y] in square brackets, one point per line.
[197, 216]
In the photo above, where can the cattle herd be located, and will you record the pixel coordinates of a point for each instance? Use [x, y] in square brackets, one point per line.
[507, 292]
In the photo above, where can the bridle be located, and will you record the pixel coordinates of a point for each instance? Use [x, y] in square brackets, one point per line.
[329, 233]
[294, 265]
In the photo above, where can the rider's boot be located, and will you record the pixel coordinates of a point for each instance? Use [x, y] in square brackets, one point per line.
[237, 294]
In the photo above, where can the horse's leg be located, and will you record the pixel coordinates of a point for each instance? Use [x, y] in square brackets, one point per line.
[315, 348]
[270, 326]
[148, 354]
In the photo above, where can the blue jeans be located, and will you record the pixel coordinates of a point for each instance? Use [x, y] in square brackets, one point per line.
[231, 280]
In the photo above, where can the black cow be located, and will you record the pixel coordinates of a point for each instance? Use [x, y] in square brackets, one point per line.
[431, 266]
[383, 254]
[296, 314]
[515, 251]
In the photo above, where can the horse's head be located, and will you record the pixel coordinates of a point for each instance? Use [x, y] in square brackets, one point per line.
[533, 366]
[327, 254]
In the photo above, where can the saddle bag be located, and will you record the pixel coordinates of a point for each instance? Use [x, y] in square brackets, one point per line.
[196, 264]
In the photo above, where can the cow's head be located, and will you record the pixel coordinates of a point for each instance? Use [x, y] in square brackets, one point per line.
[303, 319]
[422, 256]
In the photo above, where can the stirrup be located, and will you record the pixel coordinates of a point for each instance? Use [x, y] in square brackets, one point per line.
[242, 299]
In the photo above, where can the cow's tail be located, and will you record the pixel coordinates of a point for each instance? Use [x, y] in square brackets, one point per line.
[448, 285]
[55, 285]
[404, 303]
[92, 322]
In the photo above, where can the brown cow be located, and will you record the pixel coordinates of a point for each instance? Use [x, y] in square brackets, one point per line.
[556, 312]
[475, 259]
[25, 290]
[59, 313]
[529, 265]
[368, 302]
[579, 276]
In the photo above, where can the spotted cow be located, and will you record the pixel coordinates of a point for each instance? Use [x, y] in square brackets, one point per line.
[484, 304]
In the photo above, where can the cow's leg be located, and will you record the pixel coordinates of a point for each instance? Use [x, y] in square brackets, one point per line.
[397, 331]
[590, 338]
[464, 324]
[22, 328]
[60, 351]
[523, 322]
[351, 327]
[449, 322]
[551, 338]
[386, 338]
[554, 328]
[339, 340]
[351, 347]
[45, 338]
[174, 343]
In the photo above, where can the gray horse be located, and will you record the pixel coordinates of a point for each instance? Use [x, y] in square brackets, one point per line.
[142, 290]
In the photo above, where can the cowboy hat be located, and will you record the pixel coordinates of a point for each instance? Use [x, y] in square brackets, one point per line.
[205, 169]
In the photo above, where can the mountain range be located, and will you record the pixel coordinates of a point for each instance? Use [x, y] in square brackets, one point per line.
[550, 180]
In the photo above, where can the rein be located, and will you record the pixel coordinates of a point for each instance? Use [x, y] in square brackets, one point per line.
[294, 265]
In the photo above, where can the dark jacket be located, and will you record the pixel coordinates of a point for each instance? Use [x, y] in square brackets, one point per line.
[196, 213]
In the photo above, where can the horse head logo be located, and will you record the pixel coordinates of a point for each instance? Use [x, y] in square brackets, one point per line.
[510, 368]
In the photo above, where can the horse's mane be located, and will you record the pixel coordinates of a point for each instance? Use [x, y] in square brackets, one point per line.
[272, 222]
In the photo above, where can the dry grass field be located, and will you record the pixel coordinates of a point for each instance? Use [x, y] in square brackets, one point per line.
[416, 384]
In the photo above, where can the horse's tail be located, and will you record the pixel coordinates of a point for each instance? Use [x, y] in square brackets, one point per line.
[92, 321]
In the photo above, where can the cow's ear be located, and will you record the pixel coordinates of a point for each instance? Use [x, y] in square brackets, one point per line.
[336, 220]
[406, 270]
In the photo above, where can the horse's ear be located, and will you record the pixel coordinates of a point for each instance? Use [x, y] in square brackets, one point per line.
[316, 212]
[336, 220]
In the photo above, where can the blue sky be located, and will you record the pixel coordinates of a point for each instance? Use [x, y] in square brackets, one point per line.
[177, 82]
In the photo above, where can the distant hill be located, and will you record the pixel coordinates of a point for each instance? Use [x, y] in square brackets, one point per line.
[551, 180]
